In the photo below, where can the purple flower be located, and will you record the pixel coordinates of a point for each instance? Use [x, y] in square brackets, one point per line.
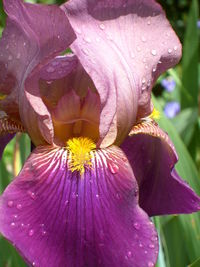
[169, 84]
[76, 201]
[172, 109]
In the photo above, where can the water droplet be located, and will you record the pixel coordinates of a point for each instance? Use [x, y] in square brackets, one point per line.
[143, 80]
[150, 264]
[129, 254]
[97, 195]
[153, 52]
[148, 22]
[145, 252]
[132, 55]
[24, 43]
[18, 55]
[50, 69]
[87, 39]
[143, 39]
[140, 245]
[10, 203]
[58, 36]
[34, 264]
[44, 232]
[22, 225]
[154, 69]
[12, 224]
[154, 238]
[66, 202]
[19, 206]
[77, 30]
[32, 194]
[15, 216]
[102, 26]
[10, 57]
[169, 51]
[136, 192]
[151, 246]
[175, 47]
[85, 51]
[113, 167]
[136, 226]
[31, 232]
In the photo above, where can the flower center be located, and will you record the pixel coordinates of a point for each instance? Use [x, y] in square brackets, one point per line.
[80, 153]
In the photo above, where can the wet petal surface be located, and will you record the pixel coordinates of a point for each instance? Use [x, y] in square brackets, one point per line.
[124, 46]
[57, 218]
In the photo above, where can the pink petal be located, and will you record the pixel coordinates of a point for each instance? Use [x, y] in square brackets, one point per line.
[124, 46]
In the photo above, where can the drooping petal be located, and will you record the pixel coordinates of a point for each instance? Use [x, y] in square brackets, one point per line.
[57, 218]
[153, 157]
[33, 34]
[124, 46]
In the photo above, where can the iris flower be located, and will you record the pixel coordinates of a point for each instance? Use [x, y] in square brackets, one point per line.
[101, 165]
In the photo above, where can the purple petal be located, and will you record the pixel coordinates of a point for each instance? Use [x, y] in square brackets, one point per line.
[33, 34]
[124, 46]
[152, 157]
[57, 218]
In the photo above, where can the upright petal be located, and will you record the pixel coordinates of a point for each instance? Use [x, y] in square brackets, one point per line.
[57, 218]
[152, 157]
[33, 34]
[124, 46]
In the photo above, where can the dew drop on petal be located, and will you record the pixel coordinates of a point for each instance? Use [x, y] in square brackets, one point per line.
[102, 26]
[44, 232]
[151, 246]
[18, 55]
[50, 69]
[143, 39]
[97, 195]
[10, 203]
[78, 30]
[12, 224]
[10, 57]
[169, 51]
[175, 47]
[87, 39]
[136, 226]
[153, 52]
[31, 232]
[129, 254]
[19, 206]
[148, 22]
[114, 168]
[150, 264]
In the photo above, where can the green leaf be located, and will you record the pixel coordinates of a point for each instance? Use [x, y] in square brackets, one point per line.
[190, 57]
[181, 232]
[195, 264]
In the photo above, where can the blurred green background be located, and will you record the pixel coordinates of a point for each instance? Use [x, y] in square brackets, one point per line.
[177, 96]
